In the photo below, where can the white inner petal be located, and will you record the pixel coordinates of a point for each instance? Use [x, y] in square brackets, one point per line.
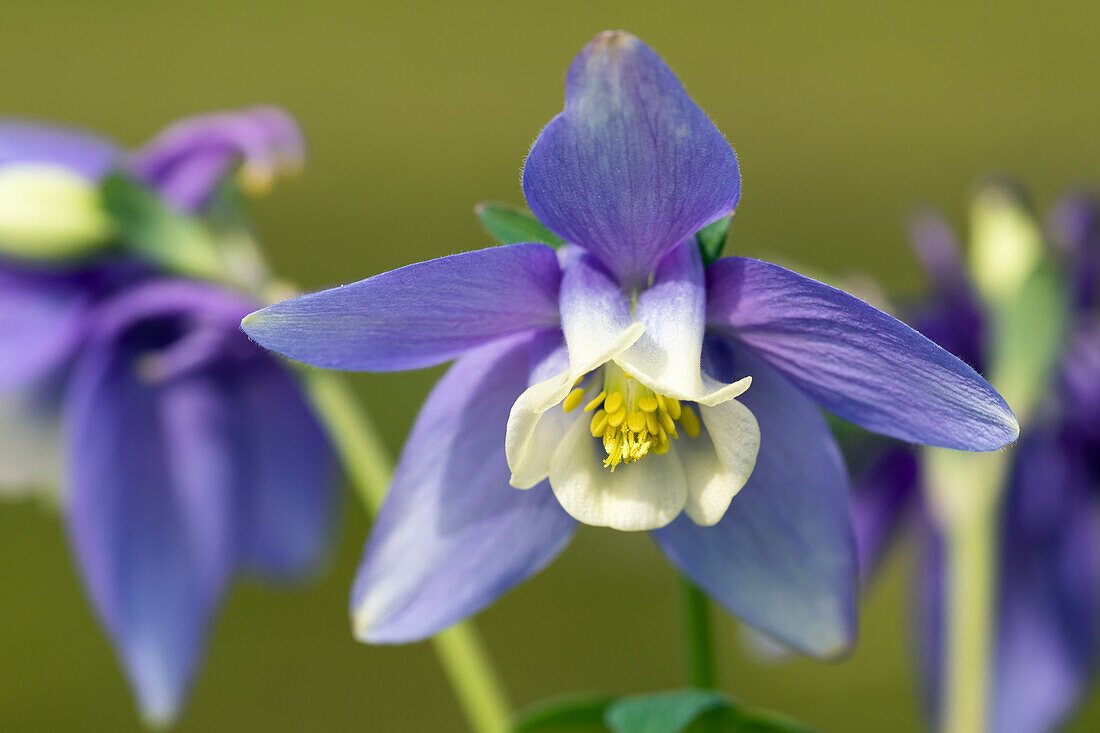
[719, 462]
[524, 443]
[639, 496]
[677, 377]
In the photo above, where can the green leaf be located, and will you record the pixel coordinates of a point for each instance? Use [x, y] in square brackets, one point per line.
[581, 713]
[664, 712]
[693, 711]
[146, 225]
[712, 238]
[1029, 333]
[510, 225]
[765, 721]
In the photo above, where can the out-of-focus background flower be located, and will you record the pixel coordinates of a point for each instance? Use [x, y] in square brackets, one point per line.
[842, 116]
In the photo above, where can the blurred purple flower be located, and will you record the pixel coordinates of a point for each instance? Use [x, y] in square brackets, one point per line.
[1045, 638]
[624, 319]
[189, 453]
[187, 160]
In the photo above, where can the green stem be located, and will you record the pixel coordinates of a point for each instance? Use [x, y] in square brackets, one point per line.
[964, 491]
[698, 638]
[460, 650]
[970, 583]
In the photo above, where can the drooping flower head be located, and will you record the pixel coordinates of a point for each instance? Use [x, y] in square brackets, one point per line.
[621, 382]
[189, 455]
[1046, 582]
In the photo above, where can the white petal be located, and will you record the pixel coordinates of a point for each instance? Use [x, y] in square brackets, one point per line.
[643, 495]
[524, 444]
[719, 462]
[667, 357]
[533, 465]
[663, 373]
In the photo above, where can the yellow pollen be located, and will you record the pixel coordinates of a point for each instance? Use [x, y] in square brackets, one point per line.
[635, 421]
[573, 399]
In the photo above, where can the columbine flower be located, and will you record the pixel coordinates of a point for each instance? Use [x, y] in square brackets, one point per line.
[1046, 599]
[190, 454]
[612, 380]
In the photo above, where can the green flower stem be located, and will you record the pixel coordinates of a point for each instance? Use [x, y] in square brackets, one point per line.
[698, 637]
[460, 650]
[970, 583]
[965, 491]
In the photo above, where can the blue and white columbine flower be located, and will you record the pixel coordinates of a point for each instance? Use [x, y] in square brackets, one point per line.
[189, 454]
[620, 383]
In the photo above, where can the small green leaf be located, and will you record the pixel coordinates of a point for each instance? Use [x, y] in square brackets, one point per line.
[766, 721]
[693, 711]
[664, 712]
[175, 241]
[580, 713]
[1029, 333]
[510, 225]
[712, 238]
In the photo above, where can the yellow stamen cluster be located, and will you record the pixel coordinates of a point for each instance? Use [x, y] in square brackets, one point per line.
[632, 420]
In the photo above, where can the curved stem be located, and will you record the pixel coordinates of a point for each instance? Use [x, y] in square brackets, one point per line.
[698, 638]
[369, 467]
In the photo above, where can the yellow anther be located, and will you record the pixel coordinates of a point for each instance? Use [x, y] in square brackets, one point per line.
[673, 407]
[633, 421]
[663, 443]
[690, 422]
[666, 421]
[595, 403]
[615, 419]
[573, 399]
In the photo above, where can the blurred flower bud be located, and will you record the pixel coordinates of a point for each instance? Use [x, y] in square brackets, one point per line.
[50, 212]
[1005, 242]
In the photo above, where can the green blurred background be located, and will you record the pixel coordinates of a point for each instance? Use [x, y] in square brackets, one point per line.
[843, 117]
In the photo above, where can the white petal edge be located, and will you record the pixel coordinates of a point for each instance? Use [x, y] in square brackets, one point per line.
[720, 461]
[524, 446]
[644, 495]
[647, 369]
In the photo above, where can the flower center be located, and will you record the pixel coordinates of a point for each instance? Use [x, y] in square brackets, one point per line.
[631, 418]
